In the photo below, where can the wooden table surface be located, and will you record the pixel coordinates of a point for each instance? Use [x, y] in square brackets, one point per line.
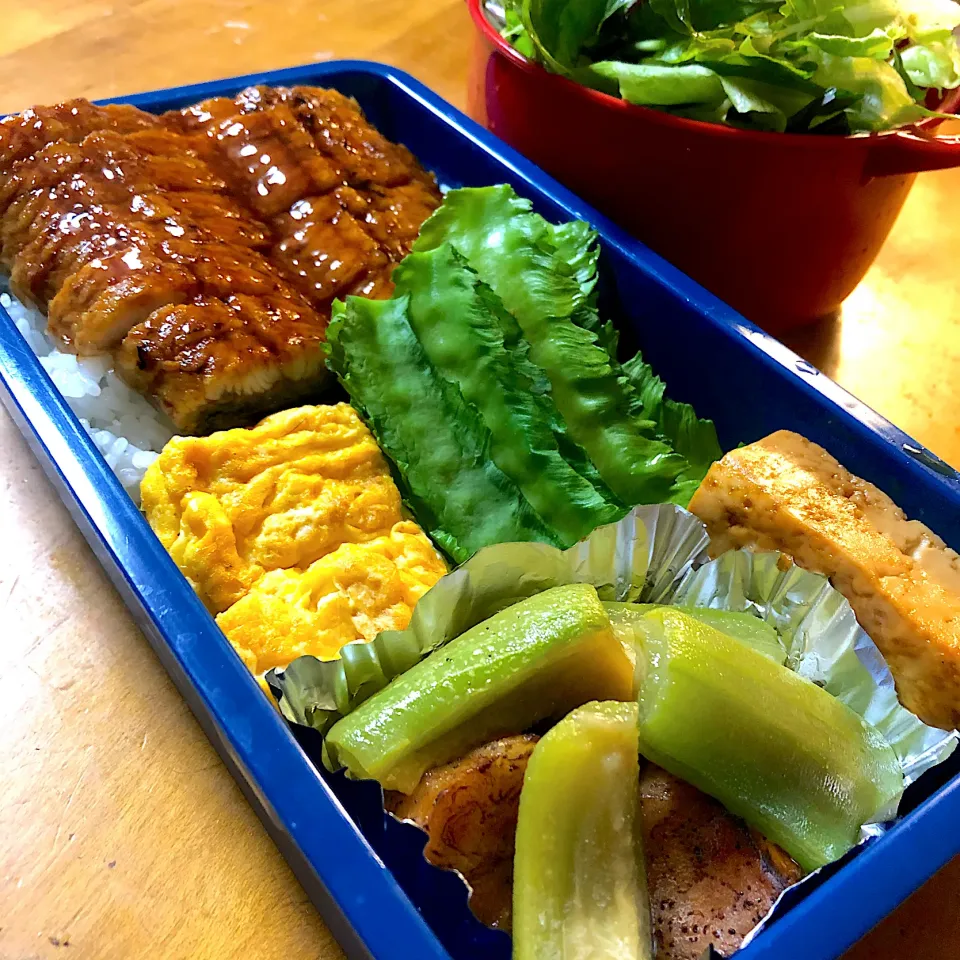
[121, 833]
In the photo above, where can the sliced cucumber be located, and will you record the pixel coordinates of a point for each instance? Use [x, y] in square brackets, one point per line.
[579, 890]
[538, 658]
[775, 749]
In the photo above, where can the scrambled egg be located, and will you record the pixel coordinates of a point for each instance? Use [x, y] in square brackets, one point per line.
[291, 532]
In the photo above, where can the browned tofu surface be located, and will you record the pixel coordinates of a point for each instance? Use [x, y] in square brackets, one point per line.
[786, 493]
[711, 879]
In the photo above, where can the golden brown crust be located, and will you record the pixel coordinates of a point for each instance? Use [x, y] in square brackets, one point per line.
[23, 134]
[144, 235]
[268, 158]
[711, 879]
[213, 363]
[469, 809]
[345, 203]
[786, 493]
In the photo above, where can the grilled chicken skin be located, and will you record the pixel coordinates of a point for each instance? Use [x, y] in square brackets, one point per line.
[710, 878]
[469, 809]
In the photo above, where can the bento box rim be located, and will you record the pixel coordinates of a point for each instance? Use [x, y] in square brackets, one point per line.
[356, 894]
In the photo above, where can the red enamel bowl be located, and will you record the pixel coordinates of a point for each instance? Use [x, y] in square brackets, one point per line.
[781, 226]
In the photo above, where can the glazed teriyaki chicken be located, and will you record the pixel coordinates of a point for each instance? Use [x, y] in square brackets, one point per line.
[203, 248]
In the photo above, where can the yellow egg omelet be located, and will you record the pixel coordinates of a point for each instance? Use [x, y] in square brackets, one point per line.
[291, 532]
[351, 594]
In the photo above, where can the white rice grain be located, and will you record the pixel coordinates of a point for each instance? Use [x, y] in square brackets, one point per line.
[126, 429]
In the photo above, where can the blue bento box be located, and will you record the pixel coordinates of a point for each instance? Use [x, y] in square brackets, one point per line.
[366, 876]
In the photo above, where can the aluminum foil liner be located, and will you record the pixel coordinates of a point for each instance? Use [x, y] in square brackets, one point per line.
[656, 554]
[824, 644]
[641, 557]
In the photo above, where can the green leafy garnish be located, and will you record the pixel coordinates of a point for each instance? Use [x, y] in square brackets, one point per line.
[546, 277]
[491, 382]
[694, 439]
[483, 354]
[436, 440]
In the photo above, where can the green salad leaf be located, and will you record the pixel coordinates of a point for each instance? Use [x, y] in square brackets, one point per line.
[798, 66]
[546, 277]
[885, 101]
[503, 384]
[491, 383]
[662, 84]
[437, 441]
[934, 64]
[563, 29]
[694, 439]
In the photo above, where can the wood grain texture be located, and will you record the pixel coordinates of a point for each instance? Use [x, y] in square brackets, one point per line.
[121, 834]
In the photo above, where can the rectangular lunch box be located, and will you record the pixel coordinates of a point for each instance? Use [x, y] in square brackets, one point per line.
[375, 891]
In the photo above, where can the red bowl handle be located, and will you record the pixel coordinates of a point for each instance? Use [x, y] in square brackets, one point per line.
[911, 151]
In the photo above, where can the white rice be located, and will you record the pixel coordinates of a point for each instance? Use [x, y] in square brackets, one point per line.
[127, 430]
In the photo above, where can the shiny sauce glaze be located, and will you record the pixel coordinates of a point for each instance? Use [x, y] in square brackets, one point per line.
[204, 247]
[343, 202]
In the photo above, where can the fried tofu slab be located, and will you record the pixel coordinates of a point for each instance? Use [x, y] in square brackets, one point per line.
[710, 878]
[786, 493]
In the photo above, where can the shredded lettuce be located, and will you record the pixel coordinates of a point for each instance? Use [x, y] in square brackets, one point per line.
[799, 66]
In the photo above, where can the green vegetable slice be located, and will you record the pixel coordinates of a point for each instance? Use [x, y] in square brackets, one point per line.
[628, 624]
[579, 889]
[538, 658]
[436, 439]
[515, 253]
[503, 384]
[774, 748]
